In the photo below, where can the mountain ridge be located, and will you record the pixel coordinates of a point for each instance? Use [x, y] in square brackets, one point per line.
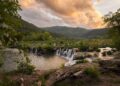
[77, 33]
[64, 31]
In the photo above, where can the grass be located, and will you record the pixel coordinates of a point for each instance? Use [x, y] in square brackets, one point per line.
[92, 72]
[82, 61]
[6, 81]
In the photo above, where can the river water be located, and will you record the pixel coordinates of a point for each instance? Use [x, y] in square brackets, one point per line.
[45, 63]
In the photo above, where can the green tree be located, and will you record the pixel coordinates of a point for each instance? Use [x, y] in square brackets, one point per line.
[9, 12]
[113, 23]
[9, 21]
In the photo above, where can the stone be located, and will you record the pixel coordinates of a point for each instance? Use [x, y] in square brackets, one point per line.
[39, 83]
[11, 58]
[117, 55]
[67, 72]
[110, 66]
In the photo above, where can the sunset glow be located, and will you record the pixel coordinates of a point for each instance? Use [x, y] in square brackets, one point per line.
[76, 13]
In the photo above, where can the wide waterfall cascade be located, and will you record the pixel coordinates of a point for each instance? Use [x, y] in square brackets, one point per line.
[41, 60]
[68, 54]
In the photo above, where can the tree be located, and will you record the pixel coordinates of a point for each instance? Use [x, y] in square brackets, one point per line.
[9, 12]
[113, 23]
[9, 21]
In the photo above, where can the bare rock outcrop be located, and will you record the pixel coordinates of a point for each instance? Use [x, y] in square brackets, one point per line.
[11, 57]
[67, 72]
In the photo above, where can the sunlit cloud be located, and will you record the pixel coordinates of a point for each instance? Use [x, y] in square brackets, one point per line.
[27, 3]
[64, 12]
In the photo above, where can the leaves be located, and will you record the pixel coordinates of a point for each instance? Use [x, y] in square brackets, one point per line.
[113, 23]
[9, 12]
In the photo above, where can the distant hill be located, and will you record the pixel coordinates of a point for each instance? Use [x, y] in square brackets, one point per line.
[62, 31]
[29, 27]
[76, 33]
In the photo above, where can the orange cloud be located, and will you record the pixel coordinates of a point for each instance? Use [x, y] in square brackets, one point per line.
[27, 3]
[74, 12]
[77, 12]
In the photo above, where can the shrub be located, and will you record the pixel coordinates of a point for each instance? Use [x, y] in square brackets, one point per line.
[47, 49]
[109, 53]
[98, 50]
[88, 55]
[8, 82]
[92, 72]
[25, 68]
[1, 59]
[62, 66]
[82, 61]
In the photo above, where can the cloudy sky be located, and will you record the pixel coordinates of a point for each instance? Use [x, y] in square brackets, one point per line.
[77, 13]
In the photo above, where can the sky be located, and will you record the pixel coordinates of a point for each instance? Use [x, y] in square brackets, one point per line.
[74, 13]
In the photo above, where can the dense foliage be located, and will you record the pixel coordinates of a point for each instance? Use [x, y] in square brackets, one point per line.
[9, 12]
[92, 72]
[113, 23]
[25, 68]
[9, 21]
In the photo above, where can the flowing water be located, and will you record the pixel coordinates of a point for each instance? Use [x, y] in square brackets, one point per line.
[62, 57]
[68, 54]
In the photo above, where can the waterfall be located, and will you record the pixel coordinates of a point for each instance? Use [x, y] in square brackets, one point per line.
[33, 51]
[36, 51]
[67, 54]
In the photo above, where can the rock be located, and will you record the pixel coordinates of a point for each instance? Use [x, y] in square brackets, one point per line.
[78, 58]
[11, 58]
[78, 73]
[117, 55]
[39, 83]
[89, 60]
[67, 72]
[110, 66]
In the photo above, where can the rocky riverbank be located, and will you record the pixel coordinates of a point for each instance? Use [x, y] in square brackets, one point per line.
[86, 74]
[98, 73]
[104, 73]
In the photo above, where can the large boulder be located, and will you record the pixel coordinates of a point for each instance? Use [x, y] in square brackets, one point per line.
[11, 57]
[67, 72]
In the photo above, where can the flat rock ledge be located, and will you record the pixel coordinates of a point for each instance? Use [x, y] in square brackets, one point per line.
[67, 72]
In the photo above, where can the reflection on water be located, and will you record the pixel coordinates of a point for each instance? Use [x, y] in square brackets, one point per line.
[42, 63]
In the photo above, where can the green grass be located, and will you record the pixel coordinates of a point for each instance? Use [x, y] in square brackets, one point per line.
[92, 72]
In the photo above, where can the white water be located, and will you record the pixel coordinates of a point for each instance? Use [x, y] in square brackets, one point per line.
[68, 54]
